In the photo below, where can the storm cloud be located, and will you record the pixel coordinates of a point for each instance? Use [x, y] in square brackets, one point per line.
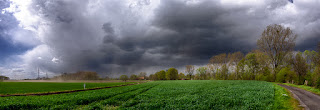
[123, 37]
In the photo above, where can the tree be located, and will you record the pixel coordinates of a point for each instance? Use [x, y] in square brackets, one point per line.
[124, 78]
[202, 72]
[252, 64]
[277, 41]
[190, 70]
[133, 77]
[161, 75]
[240, 69]
[4, 78]
[300, 67]
[172, 74]
[234, 59]
[153, 77]
[286, 75]
[218, 64]
[143, 74]
[181, 76]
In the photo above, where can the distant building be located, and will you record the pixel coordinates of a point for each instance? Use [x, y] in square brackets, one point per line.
[141, 78]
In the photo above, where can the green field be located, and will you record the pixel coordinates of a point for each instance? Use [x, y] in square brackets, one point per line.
[194, 94]
[41, 87]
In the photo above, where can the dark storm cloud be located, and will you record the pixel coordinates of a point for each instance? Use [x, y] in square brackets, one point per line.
[124, 38]
[180, 34]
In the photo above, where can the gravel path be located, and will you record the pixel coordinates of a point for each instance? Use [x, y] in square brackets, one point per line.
[308, 100]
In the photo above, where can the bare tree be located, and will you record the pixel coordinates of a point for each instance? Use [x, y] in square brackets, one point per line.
[300, 67]
[221, 58]
[219, 61]
[277, 41]
[190, 70]
[235, 57]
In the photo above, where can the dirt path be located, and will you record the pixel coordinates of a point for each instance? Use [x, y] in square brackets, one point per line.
[62, 92]
[307, 99]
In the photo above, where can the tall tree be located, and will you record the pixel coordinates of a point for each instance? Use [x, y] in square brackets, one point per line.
[234, 59]
[161, 75]
[277, 41]
[202, 72]
[300, 67]
[172, 74]
[190, 70]
[252, 65]
[217, 63]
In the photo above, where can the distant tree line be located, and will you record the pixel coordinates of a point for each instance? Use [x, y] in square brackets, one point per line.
[82, 75]
[4, 78]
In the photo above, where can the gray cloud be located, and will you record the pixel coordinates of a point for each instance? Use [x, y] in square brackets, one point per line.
[123, 38]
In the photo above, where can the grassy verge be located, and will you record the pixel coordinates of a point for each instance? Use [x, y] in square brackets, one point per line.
[284, 99]
[307, 88]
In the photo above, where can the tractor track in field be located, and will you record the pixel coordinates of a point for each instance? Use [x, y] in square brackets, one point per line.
[63, 92]
[308, 100]
[116, 95]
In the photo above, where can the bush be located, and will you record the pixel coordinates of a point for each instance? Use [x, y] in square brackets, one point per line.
[286, 75]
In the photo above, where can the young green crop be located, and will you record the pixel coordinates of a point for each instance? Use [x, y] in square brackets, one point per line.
[40, 87]
[192, 94]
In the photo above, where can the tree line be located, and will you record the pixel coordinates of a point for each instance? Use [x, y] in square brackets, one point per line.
[273, 61]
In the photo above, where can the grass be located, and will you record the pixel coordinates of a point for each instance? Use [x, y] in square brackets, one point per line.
[284, 99]
[42, 87]
[307, 88]
[191, 94]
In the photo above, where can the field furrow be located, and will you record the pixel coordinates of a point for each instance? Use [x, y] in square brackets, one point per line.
[65, 100]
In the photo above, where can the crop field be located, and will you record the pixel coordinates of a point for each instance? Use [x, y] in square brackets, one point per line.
[194, 94]
[41, 87]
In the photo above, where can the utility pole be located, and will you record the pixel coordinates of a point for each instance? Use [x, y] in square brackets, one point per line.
[47, 75]
[38, 74]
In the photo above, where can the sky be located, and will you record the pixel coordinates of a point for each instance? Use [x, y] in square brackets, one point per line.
[115, 37]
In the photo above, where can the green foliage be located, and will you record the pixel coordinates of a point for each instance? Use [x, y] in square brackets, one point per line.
[300, 67]
[172, 74]
[317, 85]
[252, 64]
[161, 75]
[286, 75]
[240, 70]
[201, 71]
[182, 76]
[222, 73]
[283, 101]
[124, 77]
[265, 75]
[133, 77]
